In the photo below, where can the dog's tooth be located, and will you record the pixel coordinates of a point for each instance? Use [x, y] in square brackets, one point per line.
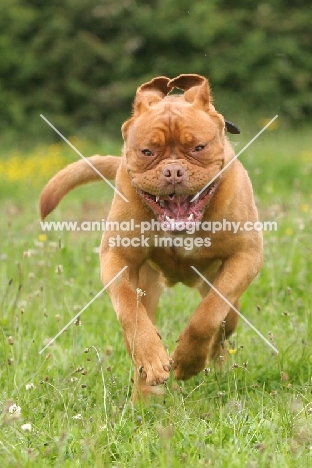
[157, 199]
[162, 203]
[169, 219]
[191, 217]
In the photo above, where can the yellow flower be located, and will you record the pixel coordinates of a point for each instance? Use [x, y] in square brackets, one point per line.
[40, 164]
[289, 232]
[265, 121]
[304, 208]
[306, 156]
[42, 237]
[232, 351]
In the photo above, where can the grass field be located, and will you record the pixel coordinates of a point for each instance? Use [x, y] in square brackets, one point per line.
[71, 406]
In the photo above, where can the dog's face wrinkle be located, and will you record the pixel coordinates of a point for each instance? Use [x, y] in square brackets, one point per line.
[170, 135]
[176, 150]
[173, 121]
[196, 176]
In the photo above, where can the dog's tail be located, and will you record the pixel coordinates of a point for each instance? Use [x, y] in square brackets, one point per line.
[73, 175]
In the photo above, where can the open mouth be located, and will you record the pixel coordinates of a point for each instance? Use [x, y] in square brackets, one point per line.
[176, 209]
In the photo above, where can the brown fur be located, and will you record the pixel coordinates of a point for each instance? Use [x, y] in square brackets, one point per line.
[74, 175]
[186, 138]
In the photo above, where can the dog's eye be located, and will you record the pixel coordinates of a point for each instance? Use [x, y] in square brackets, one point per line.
[147, 152]
[199, 148]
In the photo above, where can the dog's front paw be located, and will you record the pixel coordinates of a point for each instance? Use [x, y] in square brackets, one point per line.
[152, 360]
[189, 358]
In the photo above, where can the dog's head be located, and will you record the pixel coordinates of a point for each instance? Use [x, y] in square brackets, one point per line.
[174, 146]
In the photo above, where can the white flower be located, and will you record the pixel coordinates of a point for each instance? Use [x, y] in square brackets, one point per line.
[78, 416]
[29, 386]
[14, 409]
[140, 293]
[26, 427]
[59, 269]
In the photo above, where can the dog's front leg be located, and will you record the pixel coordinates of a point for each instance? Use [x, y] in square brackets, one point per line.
[141, 337]
[194, 343]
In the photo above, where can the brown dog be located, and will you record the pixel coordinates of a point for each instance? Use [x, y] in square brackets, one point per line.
[174, 145]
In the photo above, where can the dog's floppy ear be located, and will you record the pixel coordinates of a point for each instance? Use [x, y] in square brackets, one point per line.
[151, 93]
[147, 94]
[196, 87]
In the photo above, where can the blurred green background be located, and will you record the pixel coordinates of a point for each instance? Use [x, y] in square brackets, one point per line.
[79, 63]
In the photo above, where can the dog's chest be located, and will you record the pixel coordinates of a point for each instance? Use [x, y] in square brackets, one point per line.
[175, 263]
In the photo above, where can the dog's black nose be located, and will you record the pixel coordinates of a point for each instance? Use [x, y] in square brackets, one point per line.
[173, 173]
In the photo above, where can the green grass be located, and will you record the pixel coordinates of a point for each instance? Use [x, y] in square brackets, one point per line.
[254, 412]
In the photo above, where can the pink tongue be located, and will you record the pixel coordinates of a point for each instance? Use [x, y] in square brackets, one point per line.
[178, 205]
